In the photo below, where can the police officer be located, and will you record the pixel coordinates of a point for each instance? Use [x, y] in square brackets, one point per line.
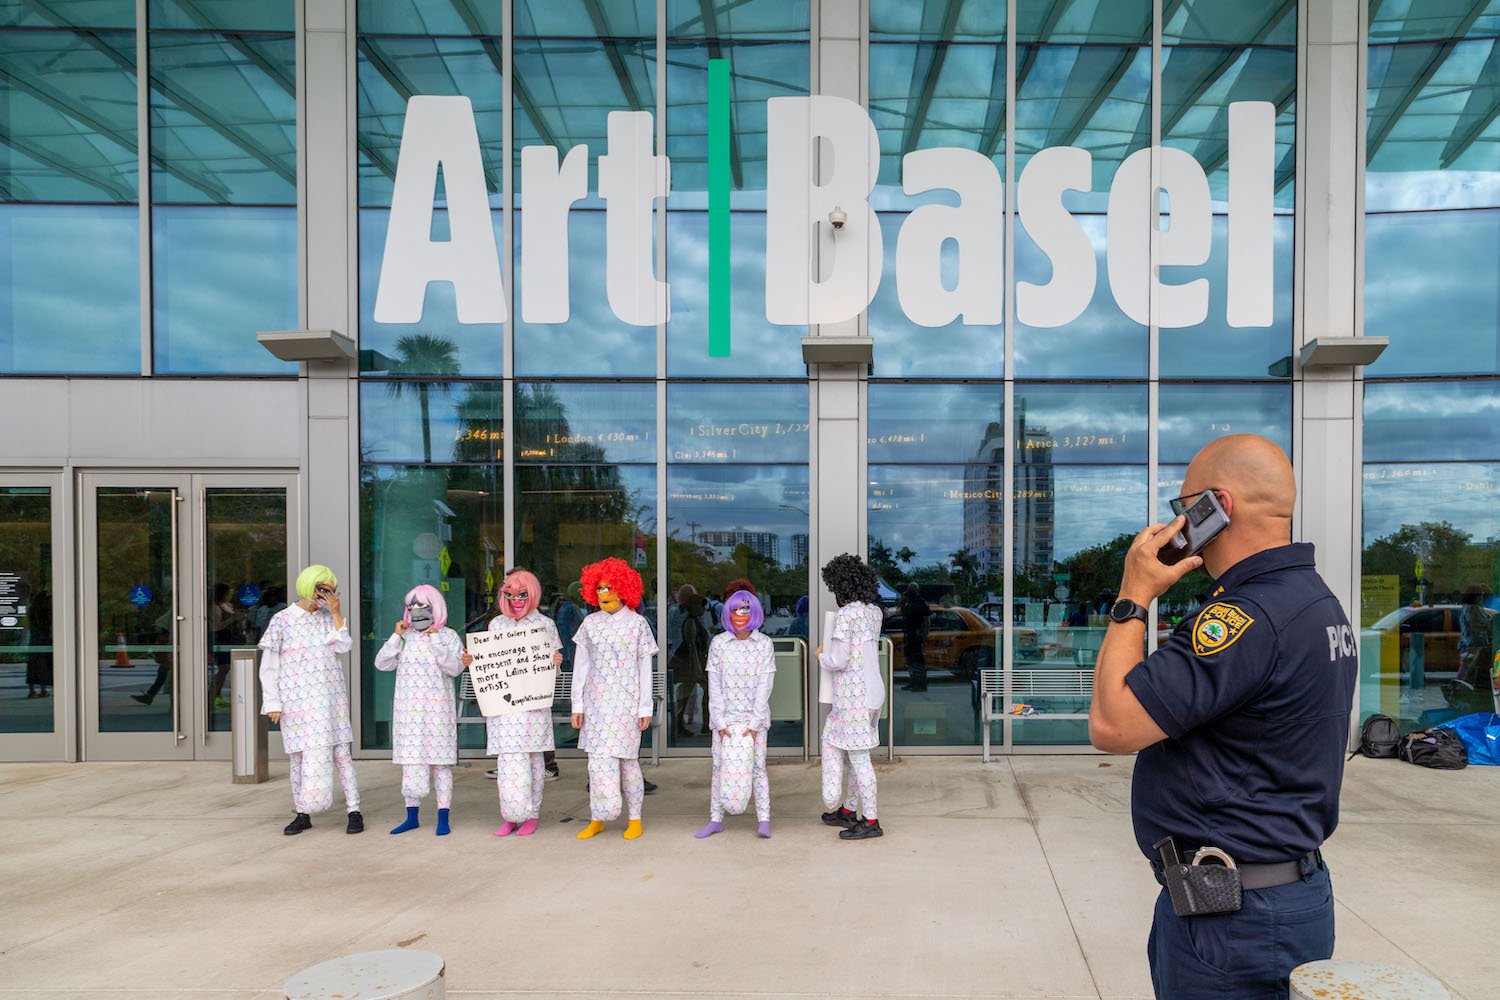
[1241, 719]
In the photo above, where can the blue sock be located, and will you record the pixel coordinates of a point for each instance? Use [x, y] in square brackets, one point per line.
[442, 827]
[411, 821]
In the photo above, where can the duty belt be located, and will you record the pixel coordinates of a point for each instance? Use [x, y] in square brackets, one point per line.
[1255, 876]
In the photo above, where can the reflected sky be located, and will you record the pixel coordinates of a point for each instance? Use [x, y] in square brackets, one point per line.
[737, 423]
[1432, 421]
[1467, 495]
[760, 498]
[1190, 416]
[580, 422]
[1096, 423]
[71, 301]
[463, 421]
[220, 276]
[935, 423]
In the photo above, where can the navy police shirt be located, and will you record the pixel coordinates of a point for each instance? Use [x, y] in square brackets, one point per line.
[1254, 693]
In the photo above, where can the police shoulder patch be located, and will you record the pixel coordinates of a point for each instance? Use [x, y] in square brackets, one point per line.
[1218, 627]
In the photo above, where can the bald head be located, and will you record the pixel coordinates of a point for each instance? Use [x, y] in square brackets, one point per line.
[1262, 490]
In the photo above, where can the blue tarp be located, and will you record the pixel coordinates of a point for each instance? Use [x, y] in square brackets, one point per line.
[1480, 733]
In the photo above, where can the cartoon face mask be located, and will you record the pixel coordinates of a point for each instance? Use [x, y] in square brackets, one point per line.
[739, 617]
[608, 599]
[514, 599]
[421, 617]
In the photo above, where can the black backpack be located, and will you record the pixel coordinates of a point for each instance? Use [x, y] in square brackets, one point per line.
[1378, 737]
[1435, 748]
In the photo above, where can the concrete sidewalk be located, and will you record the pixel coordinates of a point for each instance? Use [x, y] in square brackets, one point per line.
[1015, 879]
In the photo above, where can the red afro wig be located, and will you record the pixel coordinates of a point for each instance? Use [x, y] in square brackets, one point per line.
[625, 582]
[742, 584]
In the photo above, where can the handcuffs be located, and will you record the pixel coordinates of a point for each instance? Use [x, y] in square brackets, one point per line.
[1198, 889]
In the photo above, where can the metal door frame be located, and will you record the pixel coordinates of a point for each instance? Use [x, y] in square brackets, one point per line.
[53, 746]
[191, 739]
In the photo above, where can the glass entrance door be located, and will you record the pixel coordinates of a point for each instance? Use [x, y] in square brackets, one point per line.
[179, 569]
[34, 685]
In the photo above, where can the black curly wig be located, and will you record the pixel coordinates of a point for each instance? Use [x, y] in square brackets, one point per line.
[851, 580]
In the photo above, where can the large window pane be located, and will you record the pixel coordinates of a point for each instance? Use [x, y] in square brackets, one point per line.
[1072, 424]
[936, 423]
[429, 17]
[737, 423]
[433, 421]
[1191, 415]
[68, 13]
[70, 301]
[220, 275]
[27, 653]
[1432, 421]
[576, 423]
[225, 15]
[1097, 97]
[439, 526]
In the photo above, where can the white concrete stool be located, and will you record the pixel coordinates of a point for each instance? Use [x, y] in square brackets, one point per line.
[404, 973]
[1347, 980]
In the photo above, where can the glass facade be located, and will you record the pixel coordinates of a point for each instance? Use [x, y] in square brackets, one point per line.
[1037, 385]
[1429, 611]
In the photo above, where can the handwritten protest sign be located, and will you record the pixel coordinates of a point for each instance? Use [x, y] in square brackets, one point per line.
[512, 672]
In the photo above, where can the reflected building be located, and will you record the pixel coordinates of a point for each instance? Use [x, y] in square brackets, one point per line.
[984, 505]
[762, 543]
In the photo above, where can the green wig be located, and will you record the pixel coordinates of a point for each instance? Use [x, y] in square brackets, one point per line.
[308, 580]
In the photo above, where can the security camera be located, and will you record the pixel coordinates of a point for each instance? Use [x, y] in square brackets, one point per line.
[837, 218]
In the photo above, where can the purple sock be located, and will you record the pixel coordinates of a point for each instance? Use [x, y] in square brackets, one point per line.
[712, 828]
[763, 829]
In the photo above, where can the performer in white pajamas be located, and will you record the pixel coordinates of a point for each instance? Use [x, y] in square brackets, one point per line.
[426, 656]
[612, 668]
[521, 739]
[850, 655]
[741, 672]
[303, 688]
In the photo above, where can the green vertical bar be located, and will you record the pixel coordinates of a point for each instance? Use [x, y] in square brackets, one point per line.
[718, 208]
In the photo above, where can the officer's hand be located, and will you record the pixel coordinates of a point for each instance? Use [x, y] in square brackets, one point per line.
[1147, 577]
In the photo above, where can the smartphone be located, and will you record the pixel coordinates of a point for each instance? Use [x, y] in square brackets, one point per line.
[1205, 519]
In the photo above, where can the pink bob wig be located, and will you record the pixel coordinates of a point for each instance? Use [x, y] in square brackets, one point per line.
[520, 579]
[744, 599]
[425, 594]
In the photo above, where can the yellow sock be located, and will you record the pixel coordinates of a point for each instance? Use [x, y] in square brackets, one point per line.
[594, 827]
[633, 829]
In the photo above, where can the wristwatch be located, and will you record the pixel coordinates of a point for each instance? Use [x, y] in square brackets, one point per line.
[1125, 609]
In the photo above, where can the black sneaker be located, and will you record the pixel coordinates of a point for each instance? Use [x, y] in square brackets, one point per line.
[649, 787]
[301, 822]
[841, 817]
[551, 772]
[862, 830]
[356, 823]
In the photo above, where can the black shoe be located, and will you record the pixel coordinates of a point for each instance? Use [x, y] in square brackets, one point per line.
[841, 817]
[356, 823]
[302, 822]
[649, 787]
[144, 699]
[862, 830]
[551, 772]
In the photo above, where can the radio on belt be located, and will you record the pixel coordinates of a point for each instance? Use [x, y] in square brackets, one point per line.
[1198, 889]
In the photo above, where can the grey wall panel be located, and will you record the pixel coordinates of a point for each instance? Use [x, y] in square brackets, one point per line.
[151, 422]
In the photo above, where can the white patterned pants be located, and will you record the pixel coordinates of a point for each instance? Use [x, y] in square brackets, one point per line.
[418, 779]
[520, 780]
[312, 778]
[608, 776]
[739, 769]
[860, 796]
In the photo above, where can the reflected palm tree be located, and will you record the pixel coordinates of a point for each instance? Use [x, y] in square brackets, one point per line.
[424, 354]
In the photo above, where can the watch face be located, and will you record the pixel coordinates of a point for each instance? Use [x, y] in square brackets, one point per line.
[1123, 611]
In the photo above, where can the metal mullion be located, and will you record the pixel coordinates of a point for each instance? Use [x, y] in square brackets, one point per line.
[660, 217]
[1008, 388]
[1153, 367]
[508, 265]
[143, 178]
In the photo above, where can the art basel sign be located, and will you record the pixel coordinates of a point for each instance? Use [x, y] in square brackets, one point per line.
[441, 131]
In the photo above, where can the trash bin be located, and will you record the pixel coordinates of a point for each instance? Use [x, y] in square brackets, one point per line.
[393, 974]
[1341, 977]
[248, 732]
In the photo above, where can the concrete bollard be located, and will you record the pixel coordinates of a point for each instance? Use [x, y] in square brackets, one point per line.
[393, 974]
[1342, 979]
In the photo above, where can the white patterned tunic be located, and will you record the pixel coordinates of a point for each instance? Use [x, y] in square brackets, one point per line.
[301, 677]
[741, 673]
[858, 692]
[424, 718]
[522, 732]
[612, 682]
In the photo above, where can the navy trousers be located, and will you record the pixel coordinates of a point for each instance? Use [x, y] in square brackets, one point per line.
[1245, 955]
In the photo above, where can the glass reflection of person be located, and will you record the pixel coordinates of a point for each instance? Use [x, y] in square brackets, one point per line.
[915, 617]
[1473, 636]
[222, 618]
[689, 657]
[163, 658]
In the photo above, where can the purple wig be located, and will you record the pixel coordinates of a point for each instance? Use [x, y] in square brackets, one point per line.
[743, 599]
[430, 596]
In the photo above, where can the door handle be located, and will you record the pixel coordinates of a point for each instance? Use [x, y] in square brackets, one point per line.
[176, 620]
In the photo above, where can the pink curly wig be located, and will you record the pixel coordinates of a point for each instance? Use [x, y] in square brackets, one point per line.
[522, 579]
[625, 581]
[426, 594]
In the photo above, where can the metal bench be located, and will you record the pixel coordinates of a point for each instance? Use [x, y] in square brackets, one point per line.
[1029, 687]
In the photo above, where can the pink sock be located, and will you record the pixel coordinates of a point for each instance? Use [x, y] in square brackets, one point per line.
[527, 828]
[506, 829]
